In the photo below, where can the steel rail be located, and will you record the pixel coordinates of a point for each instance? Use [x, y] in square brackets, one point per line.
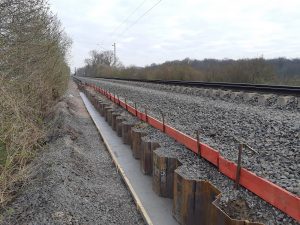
[273, 89]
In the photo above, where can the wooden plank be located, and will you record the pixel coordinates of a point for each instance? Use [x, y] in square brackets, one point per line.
[136, 145]
[126, 132]
[146, 160]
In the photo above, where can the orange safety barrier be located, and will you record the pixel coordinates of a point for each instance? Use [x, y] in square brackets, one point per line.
[272, 193]
[275, 195]
[227, 167]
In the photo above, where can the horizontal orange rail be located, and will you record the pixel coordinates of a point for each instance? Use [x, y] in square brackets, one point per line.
[271, 193]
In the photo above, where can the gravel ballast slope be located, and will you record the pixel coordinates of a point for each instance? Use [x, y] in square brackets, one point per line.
[253, 208]
[274, 133]
[73, 180]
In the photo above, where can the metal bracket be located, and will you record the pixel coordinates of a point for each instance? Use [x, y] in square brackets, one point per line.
[242, 145]
[135, 109]
[198, 143]
[146, 114]
[163, 120]
[116, 98]
[125, 103]
[239, 166]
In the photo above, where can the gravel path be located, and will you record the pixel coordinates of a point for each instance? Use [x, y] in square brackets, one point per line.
[73, 180]
[273, 132]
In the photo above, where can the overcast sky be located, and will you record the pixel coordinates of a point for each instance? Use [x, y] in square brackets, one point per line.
[176, 29]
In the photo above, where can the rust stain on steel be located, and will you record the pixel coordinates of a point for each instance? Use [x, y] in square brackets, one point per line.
[198, 143]
[195, 203]
[163, 174]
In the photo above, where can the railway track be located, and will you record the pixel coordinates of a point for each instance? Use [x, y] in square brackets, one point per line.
[179, 106]
[262, 88]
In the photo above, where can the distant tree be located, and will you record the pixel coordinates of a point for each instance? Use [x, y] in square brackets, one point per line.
[101, 63]
[260, 71]
[100, 58]
[257, 70]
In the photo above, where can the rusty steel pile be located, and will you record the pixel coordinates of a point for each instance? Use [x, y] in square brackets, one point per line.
[265, 126]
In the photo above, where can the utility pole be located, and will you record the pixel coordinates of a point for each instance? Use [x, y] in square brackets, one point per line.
[115, 56]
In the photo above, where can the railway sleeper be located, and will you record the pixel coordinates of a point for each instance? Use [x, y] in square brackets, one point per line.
[164, 166]
[126, 132]
[114, 120]
[106, 109]
[119, 121]
[136, 136]
[109, 116]
[147, 148]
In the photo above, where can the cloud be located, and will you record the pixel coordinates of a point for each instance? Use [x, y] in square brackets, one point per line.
[182, 28]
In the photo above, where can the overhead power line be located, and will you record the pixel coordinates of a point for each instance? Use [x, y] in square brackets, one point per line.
[126, 19]
[138, 19]
[90, 43]
[112, 33]
[133, 23]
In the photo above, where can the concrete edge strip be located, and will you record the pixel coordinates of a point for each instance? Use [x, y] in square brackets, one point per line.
[119, 168]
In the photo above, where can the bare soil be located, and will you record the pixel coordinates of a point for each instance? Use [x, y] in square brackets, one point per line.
[73, 179]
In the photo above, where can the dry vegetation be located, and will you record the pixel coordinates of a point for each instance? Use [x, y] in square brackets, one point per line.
[33, 74]
[257, 70]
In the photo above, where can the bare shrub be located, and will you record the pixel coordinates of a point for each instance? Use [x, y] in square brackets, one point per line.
[33, 74]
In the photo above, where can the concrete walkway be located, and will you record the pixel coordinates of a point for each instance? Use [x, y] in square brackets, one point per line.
[156, 210]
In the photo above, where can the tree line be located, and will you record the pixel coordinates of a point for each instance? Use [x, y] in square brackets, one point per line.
[256, 70]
